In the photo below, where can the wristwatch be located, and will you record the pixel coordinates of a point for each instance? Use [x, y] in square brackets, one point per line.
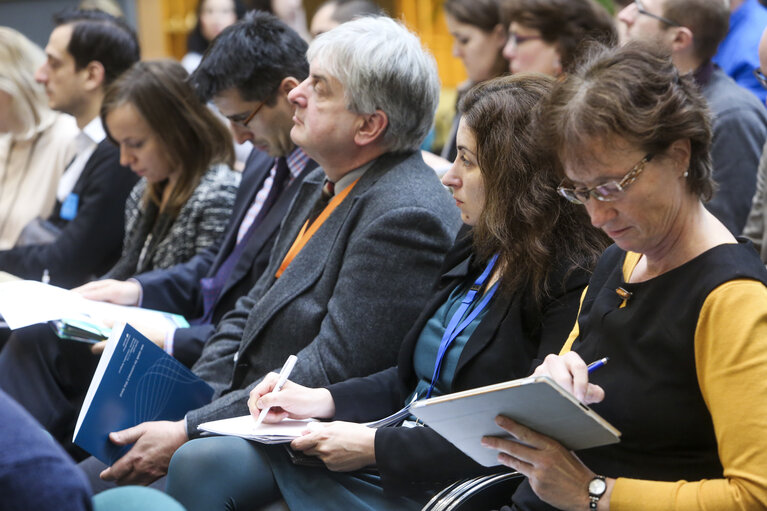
[597, 487]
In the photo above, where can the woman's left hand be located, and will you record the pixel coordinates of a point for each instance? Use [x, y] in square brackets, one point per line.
[556, 475]
[342, 446]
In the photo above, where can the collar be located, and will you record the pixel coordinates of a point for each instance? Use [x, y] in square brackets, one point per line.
[94, 130]
[351, 177]
[703, 74]
[297, 161]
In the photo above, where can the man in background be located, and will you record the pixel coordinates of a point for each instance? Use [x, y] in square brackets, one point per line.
[86, 52]
[691, 31]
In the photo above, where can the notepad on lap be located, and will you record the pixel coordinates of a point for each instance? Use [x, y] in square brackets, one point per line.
[464, 418]
[244, 427]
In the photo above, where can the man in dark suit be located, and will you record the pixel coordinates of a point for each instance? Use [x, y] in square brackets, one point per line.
[50, 378]
[358, 251]
[86, 51]
[208, 285]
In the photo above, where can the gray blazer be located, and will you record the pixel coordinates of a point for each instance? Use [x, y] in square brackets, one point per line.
[348, 298]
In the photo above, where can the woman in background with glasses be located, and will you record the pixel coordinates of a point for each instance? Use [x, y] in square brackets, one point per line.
[546, 36]
[677, 304]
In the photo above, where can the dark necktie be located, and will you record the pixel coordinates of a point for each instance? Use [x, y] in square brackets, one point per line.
[328, 191]
[212, 286]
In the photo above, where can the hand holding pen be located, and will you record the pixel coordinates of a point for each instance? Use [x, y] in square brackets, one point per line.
[572, 374]
[281, 379]
[276, 398]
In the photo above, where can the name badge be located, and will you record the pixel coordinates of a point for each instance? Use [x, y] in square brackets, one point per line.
[69, 207]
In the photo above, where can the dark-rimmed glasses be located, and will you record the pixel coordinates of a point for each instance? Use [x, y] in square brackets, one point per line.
[244, 123]
[645, 12]
[516, 40]
[605, 192]
[760, 76]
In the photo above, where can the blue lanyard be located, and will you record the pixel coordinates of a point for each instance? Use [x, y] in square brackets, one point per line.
[453, 327]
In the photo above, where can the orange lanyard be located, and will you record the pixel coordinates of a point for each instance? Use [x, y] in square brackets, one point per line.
[308, 231]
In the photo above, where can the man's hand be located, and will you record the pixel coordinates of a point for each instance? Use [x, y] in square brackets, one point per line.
[342, 446]
[154, 330]
[121, 292]
[148, 460]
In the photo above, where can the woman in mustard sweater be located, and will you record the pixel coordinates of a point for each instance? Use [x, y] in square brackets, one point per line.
[678, 304]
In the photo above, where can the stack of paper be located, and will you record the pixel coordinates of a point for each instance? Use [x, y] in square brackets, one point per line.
[244, 427]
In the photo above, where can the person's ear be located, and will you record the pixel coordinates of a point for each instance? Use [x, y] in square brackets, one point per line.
[680, 151]
[500, 36]
[682, 40]
[94, 75]
[288, 84]
[371, 127]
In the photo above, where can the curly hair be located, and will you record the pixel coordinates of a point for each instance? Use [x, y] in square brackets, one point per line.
[524, 220]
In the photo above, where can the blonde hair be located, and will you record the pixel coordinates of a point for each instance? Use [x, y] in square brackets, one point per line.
[19, 59]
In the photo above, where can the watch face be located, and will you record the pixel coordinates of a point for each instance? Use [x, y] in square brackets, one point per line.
[597, 486]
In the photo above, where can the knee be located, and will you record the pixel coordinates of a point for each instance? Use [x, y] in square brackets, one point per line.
[204, 456]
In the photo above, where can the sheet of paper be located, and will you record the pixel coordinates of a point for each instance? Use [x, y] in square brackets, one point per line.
[27, 302]
[244, 427]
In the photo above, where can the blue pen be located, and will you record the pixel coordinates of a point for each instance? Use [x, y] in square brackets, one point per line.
[597, 364]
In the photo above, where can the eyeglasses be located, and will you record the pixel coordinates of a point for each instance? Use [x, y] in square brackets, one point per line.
[760, 76]
[642, 10]
[517, 40]
[606, 192]
[244, 123]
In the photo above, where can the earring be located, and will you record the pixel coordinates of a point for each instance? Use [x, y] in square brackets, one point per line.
[686, 173]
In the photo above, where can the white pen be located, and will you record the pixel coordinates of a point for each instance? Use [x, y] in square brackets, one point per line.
[284, 375]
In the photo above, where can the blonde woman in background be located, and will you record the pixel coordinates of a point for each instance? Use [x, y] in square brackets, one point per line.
[36, 143]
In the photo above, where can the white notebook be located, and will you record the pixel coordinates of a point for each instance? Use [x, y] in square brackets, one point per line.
[538, 402]
[244, 427]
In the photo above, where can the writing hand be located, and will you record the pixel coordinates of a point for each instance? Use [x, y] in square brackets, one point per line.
[571, 373]
[293, 401]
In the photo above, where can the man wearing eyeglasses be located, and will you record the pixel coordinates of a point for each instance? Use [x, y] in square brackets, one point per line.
[359, 249]
[691, 31]
[248, 73]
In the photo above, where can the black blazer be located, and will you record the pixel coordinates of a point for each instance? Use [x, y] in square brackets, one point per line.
[91, 243]
[508, 343]
[177, 289]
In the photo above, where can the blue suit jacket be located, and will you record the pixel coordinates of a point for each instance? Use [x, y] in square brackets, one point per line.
[178, 290]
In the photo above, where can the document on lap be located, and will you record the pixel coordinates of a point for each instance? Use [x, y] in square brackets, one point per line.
[27, 302]
[245, 427]
[283, 431]
[537, 402]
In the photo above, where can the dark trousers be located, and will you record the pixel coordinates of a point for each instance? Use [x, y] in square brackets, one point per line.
[49, 377]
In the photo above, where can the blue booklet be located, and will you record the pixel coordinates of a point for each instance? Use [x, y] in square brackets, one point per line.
[135, 382]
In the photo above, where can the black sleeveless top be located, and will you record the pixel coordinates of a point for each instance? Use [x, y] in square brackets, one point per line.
[651, 386]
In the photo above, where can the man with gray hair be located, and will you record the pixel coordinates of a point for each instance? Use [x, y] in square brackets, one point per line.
[357, 253]
[691, 30]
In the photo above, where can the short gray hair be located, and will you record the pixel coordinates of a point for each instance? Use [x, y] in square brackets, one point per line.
[383, 66]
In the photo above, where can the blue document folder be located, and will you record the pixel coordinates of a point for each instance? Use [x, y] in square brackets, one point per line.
[135, 382]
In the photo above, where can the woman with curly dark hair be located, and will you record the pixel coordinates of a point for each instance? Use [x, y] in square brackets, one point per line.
[511, 285]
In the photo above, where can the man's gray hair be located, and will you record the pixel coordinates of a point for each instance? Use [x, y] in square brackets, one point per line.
[383, 66]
